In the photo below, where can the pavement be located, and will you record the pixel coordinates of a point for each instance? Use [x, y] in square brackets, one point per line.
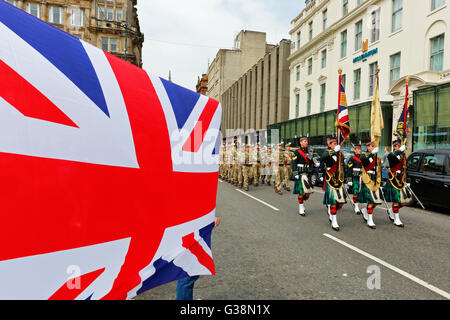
[264, 250]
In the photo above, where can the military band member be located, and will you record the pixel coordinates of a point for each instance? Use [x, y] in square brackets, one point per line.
[303, 162]
[334, 197]
[288, 158]
[371, 181]
[278, 159]
[396, 190]
[354, 166]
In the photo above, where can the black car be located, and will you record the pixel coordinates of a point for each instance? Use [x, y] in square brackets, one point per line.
[428, 171]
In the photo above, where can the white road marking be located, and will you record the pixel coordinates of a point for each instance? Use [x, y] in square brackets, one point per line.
[393, 268]
[265, 203]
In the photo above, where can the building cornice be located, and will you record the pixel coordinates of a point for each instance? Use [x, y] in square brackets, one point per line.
[330, 31]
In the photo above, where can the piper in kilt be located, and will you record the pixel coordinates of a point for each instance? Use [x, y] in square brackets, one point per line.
[334, 198]
[396, 190]
[302, 160]
[371, 182]
[354, 166]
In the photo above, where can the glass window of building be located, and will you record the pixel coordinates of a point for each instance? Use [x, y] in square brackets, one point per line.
[397, 12]
[358, 35]
[322, 97]
[395, 67]
[424, 131]
[101, 14]
[310, 62]
[324, 58]
[13, 2]
[110, 13]
[297, 105]
[34, 9]
[443, 118]
[298, 40]
[435, 4]
[343, 44]
[297, 72]
[308, 102]
[344, 7]
[437, 53]
[119, 14]
[113, 45]
[105, 44]
[357, 84]
[330, 119]
[344, 80]
[310, 31]
[372, 77]
[364, 124]
[77, 17]
[324, 19]
[375, 25]
[358, 2]
[55, 15]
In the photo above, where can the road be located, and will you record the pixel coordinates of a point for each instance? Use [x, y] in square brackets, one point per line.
[266, 251]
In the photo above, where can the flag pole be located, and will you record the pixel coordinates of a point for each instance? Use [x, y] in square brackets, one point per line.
[339, 103]
[405, 114]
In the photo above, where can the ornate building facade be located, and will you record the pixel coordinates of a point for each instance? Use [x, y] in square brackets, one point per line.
[111, 25]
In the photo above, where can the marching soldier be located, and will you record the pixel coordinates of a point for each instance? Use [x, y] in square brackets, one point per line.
[263, 156]
[371, 181]
[396, 190]
[246, 167]
[303, 161]
[256, 165]
[229, 177]
[288, 158]
[235, 164]
[334, 198]
[240, 166]
[354, 166]
[269, 168]
[278, 158]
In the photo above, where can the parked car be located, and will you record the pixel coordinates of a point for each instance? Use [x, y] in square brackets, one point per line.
[428, 171]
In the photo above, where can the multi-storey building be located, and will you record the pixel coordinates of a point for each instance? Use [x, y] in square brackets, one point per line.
[112, 25]
[401, 37]
[259, 97]
[230, 64]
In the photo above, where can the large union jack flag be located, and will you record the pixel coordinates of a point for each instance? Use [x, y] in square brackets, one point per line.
[109, 174]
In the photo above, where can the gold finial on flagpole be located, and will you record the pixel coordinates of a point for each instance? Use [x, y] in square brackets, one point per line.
[340, 70]
[378, 69]
[408, 78]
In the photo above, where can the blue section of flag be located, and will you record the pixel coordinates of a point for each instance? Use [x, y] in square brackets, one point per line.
[205, 233]
[64, 51]
[183, 101]
[165, 272]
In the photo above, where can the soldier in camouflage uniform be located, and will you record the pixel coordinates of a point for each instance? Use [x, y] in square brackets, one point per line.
[246, 167]
[256, 164]
[288, 156]
[268, 166]
[278, 160]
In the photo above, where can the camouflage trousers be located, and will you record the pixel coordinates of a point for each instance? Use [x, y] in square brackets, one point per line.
[279, 177]
[256, 168]
[287, 176]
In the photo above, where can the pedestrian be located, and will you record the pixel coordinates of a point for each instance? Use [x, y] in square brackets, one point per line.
[302, 160]
[185, 286]
[333, 161]
[371, 178]
[396, 190]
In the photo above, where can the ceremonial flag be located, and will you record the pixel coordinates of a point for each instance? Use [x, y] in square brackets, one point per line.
[376, 116]
[109, 174]
[343, 121]
[403, 122]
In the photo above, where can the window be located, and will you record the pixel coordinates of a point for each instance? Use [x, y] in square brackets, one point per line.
[101, 14]
[77, 17]
[358, 35]
[308, 102]
[397, 12]
[119, 14]
[437, 53]
[357, 84]
[322, 97]
[395, 67]
[309, 66]
[113, 45]
[436, 4]
[297, 105]
[110, 13]
[343, 44]
[34, 9]
[298, 72]
[372, 77]
[344, 7]
[358, 2]
[104, 44]
[298, 40]
[433, 163]
[375, 25]
[324, 58]
[344, 80]
[55, 15]
[310, 30]
[13, 2]
[413, 162]
[324, 19]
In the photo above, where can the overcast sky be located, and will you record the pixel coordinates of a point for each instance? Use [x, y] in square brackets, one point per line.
[181, 35]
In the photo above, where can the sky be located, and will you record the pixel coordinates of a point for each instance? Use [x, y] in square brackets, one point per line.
[183, 35]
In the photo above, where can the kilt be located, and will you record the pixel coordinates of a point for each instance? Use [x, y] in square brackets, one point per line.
[396, 196]
[332, 196]
[302, 185]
